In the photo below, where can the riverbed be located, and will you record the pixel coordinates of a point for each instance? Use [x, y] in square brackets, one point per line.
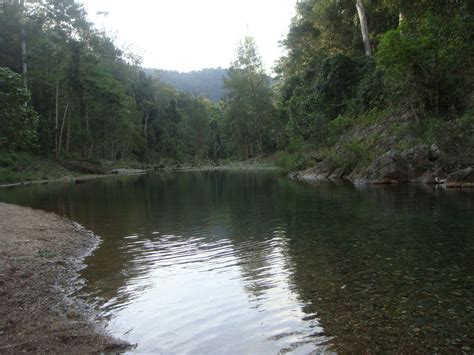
[251, 262]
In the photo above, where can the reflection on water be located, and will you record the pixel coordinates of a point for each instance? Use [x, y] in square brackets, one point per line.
[251, 262]
[196, 294]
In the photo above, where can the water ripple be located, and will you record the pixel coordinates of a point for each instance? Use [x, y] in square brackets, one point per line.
[195, 291]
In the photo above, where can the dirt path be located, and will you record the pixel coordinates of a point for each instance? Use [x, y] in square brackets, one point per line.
[40, 254]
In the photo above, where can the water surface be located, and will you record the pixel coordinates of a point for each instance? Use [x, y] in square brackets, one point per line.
[250, 262]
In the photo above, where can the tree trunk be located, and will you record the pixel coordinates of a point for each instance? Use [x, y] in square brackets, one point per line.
[260, 141]
[147, 115]
[214, 141]
[68, 134]
[106, 135]
[401, 18]
[23, 43]
[257, 114]
[56, 123]
[363, 27]
[23, 57]
[247, 149]
[87, 125]
[89, 154]
[62, 128]
[87, 143]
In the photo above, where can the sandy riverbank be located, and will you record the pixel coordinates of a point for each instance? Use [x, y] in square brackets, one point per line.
[40, 255]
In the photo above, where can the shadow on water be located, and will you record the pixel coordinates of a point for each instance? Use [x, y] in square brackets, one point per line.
[250, 261]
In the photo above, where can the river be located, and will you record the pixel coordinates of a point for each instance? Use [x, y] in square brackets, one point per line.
[251, 262]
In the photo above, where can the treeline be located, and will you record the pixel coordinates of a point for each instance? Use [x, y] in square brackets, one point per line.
[68, 92]
[353, 62]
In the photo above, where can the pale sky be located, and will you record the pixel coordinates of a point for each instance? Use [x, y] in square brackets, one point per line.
[189, 35]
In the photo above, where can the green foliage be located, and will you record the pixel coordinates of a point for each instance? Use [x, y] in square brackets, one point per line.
[329, 86]
[354, 153]
[87, 99]
[249, 109]
[22, 166]
[15, 160]
[427, 63]
[422, 68]
[290, 161]
[18, 120]
[10, 36]
[369, 95]
[336, 83]
[339, 126]
[93, 100]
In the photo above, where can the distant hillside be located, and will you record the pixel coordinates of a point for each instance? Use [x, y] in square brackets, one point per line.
[205, 82]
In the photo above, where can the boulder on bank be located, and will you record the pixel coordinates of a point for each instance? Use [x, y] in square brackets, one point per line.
[418, 164]
[321, 171]
[461, 178]
[337, 174]
[421, 164]
[387, 168]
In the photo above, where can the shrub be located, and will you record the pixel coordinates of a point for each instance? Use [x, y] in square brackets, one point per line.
[290, 161]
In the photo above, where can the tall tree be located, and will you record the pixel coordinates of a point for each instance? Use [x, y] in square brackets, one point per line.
[249, 102]
[364, 27]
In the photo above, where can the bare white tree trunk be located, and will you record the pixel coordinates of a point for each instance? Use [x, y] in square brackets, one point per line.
[401, 18]
[23, 57]
[363, 26]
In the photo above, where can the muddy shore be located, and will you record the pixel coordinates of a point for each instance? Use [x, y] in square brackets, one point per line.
[40, 256]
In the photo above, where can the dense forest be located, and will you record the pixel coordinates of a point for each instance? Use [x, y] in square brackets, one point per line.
[360, 78]
[206, 82]
[379, 84]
